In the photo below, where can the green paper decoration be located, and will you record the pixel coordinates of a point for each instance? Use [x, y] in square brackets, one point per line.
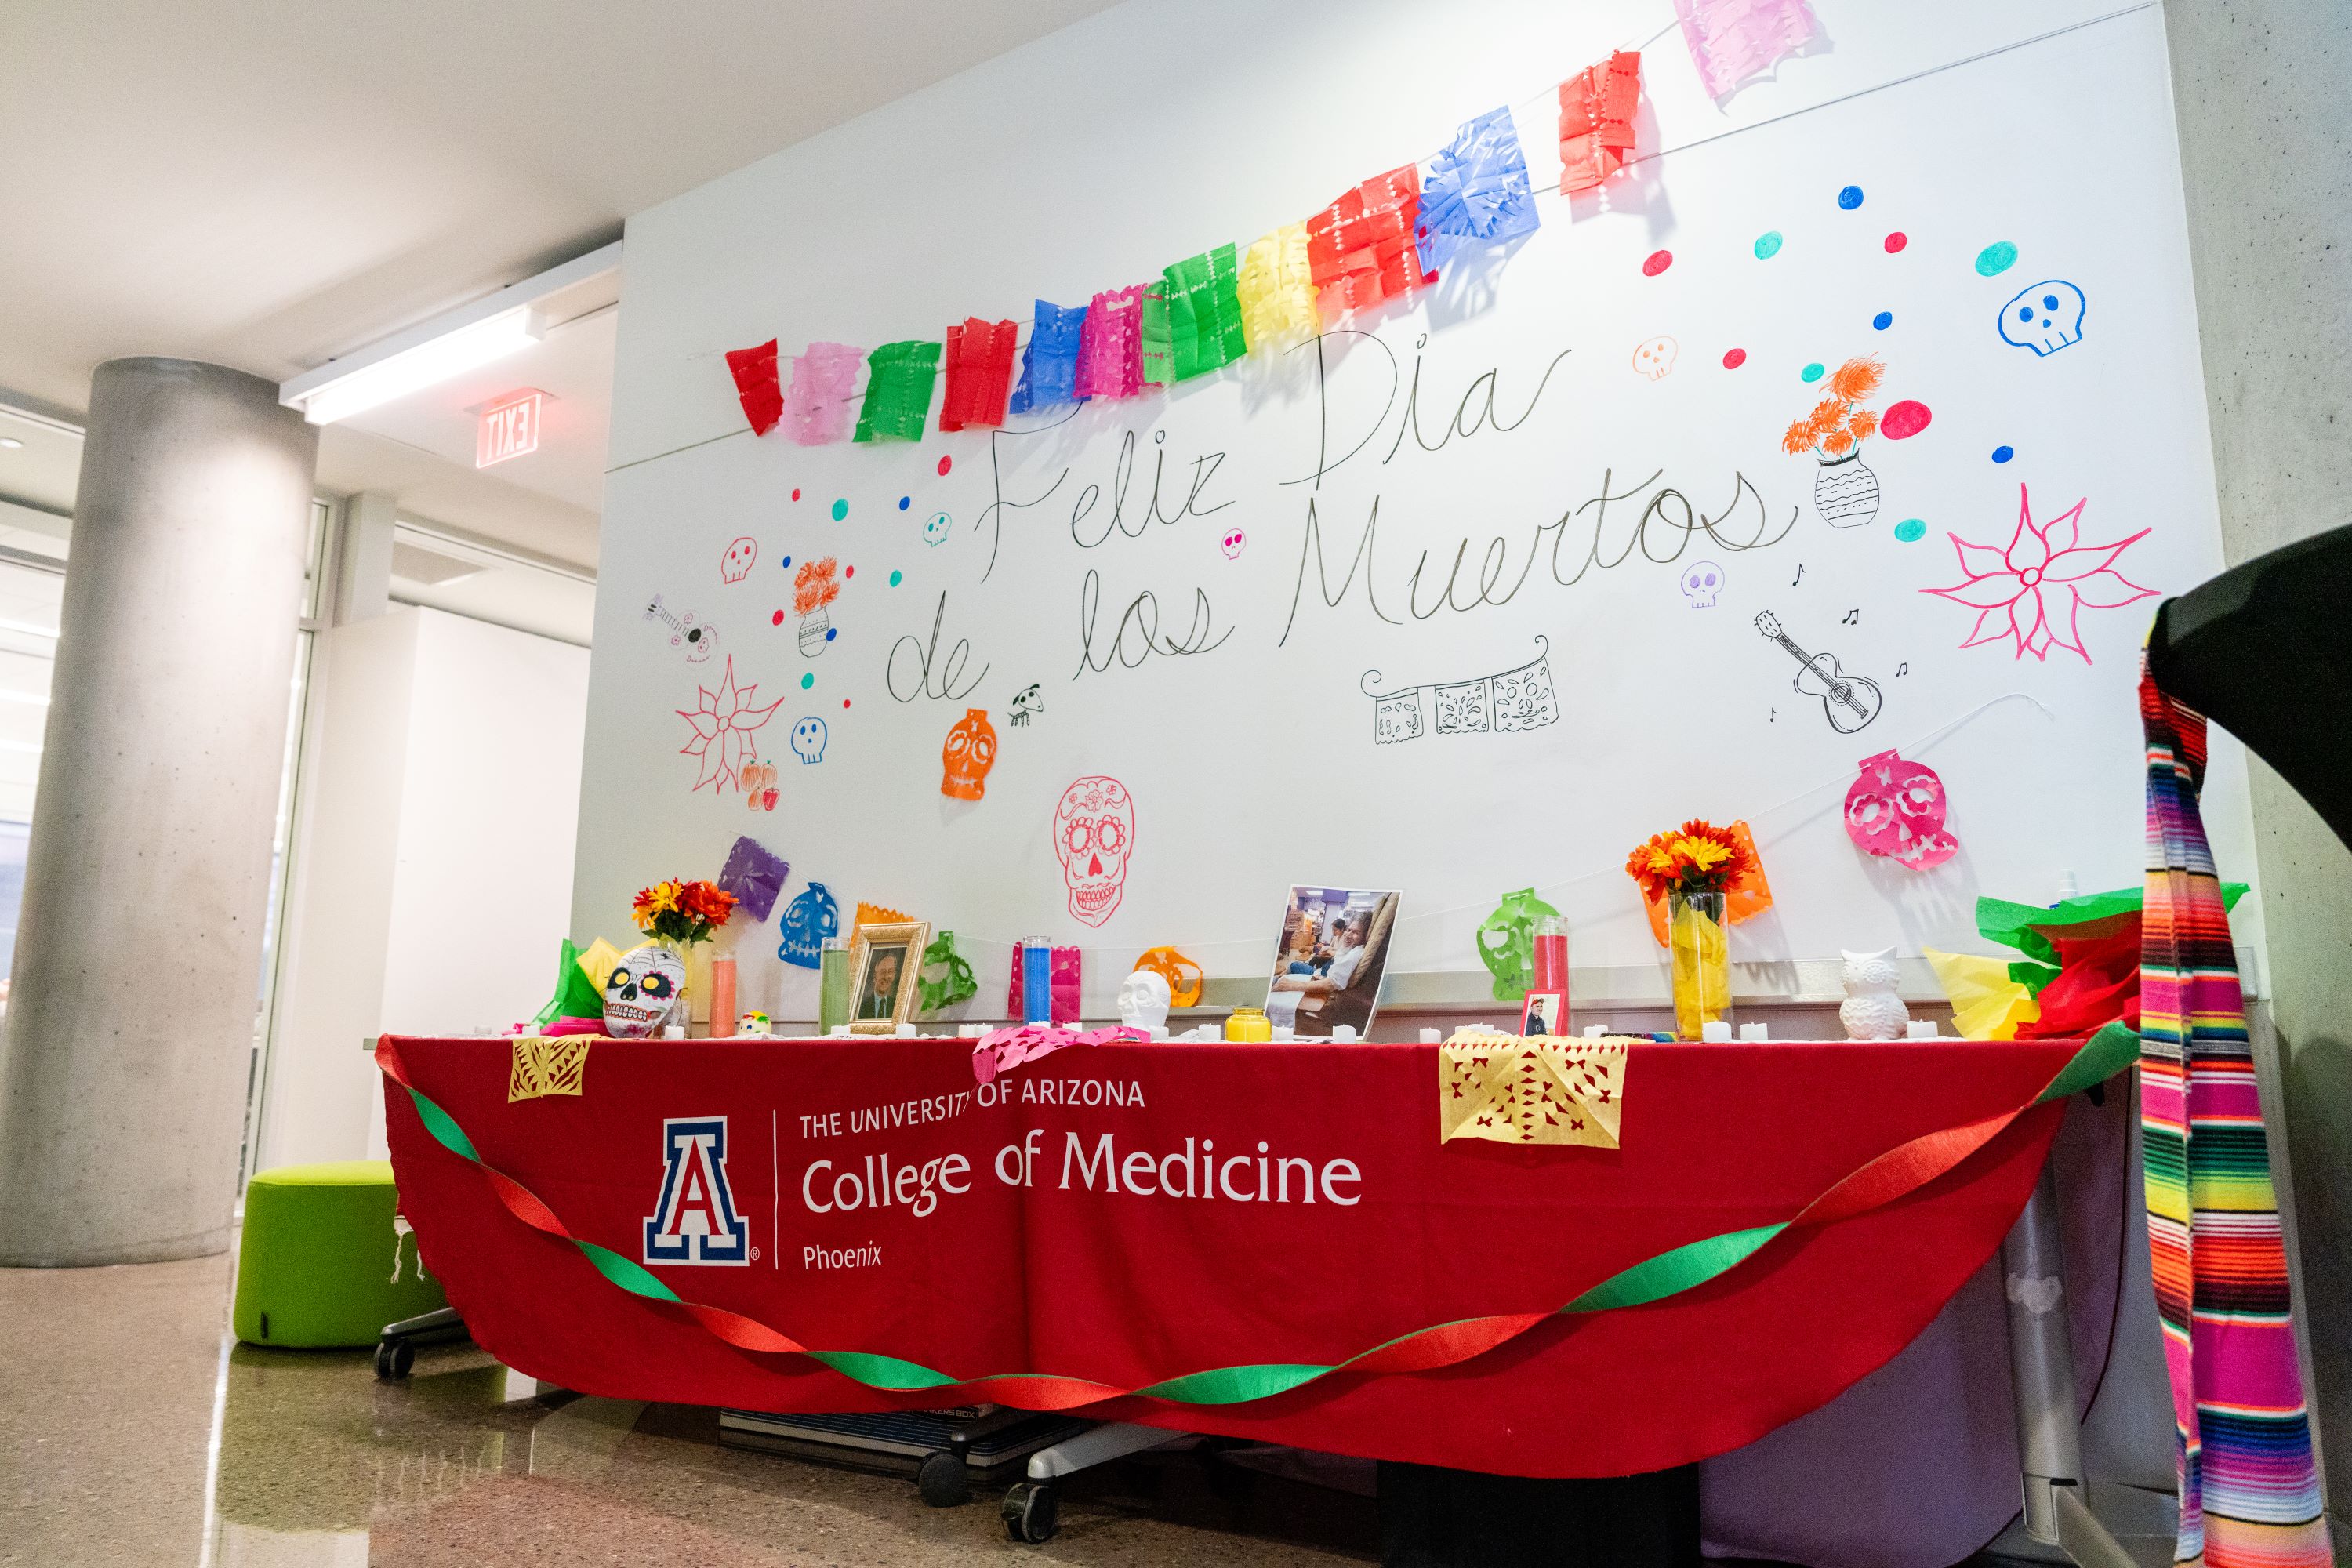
[1512, 962]
[575, 996]
[959, 984]
[1158, 358]
[1204, 312]
[897, 391]
[2023, 926]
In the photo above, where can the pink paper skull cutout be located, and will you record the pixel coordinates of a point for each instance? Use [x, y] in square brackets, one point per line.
[1896, 809]
[737, 563]
[1094, 836]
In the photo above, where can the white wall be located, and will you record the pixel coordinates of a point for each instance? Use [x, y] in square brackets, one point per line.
[433, 857]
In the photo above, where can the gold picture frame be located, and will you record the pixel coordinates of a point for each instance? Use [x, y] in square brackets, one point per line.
[899, 943]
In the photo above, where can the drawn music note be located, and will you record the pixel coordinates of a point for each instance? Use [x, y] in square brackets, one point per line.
[1902, 669]
[1853, 618]
[1799, 576]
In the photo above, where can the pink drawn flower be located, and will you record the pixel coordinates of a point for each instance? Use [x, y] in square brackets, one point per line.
[723, 722]
[2037, 588]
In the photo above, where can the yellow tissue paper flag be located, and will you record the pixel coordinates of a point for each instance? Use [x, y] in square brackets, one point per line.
[1277, 288]
[1987, 1005]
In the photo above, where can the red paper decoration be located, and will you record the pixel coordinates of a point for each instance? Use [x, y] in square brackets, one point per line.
[1597, 107]
[1896, 809]
[1360, 250]
[756, 385]
[979, 373]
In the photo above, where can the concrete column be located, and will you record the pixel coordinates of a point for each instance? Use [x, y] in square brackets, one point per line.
[2260, 89]
[132, 1016]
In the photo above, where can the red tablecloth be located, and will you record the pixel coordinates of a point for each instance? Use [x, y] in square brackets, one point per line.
[1079, 1281]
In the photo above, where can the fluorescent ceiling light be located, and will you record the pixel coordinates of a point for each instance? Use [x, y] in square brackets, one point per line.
[9, 443]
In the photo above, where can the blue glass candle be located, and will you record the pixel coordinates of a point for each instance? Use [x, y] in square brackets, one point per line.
[1036, 981]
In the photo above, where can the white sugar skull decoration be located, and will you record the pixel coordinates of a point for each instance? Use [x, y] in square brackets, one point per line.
[1094, 837]
[1143, 1000]
[1655, 357]
[642, 990]
[1702, 584]
[2046, 317]
[737, 563]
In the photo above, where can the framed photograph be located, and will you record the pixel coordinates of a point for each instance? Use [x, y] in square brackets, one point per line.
[1545, 1013]
[885, 961]
[1328, 960]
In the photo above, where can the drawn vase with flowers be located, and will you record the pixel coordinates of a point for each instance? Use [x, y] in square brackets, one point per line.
[1845, 492]
[679, 915]
[1694, 867]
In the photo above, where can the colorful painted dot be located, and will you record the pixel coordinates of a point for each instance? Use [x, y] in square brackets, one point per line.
[2003, 454]
[896, 579]
[807, 681]
[906, 501]
[788, 561]
[1768, 245]
[777, 619]
[945, 464]
[1896, 241]
[844, 702]
[1996, 258]
[840, 510]
[848, 572]
[1850, 197]
[1910, 529]
[796, 495]
[830, 633]
[1811, 372]
[1905, 420]
[1733, 358]
[1657, 262]
[1883, 319]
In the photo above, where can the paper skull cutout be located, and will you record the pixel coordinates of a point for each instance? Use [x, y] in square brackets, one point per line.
[935, 531]
[2046, 317]
[1655, 357]
[808, 920]
[1702, 584]
[1143, 999]
[968, 753]
[1094, 837]
[737, 563]
[1896, 808]
[642, 990]
[808, 740]
[1234, 542]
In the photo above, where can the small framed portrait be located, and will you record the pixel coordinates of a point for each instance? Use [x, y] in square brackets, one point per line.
[1545, 1013]
[885, 961]
[1328, 960]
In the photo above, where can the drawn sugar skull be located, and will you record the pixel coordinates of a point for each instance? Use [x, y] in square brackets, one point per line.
[968, 753]
[1896, 808]
[807, 921]
[642, 990]
[1094, 837]
[1655, 357]
[1233, 544]
[935, 531]
[741, 557]
[1702, 584]
[808, 740]
[2046, 317]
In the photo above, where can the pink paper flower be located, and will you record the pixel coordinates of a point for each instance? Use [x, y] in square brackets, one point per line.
[2036, 589]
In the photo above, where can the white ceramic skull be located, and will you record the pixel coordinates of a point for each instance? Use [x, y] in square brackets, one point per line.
[2045, 318]
[736, 564]
[1233, 544]
[1872, 1011]
[808, 740]
[1702, 584]
[642, 990]
[1143, 999]
[1655, 357]
[1094, 836]
[935, 531]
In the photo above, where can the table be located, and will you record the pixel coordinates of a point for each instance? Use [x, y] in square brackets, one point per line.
[855, 1224]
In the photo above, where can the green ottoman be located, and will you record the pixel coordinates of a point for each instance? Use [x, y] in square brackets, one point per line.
[320, 1264]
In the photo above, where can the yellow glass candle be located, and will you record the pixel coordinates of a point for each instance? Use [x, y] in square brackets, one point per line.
[1248, 1023]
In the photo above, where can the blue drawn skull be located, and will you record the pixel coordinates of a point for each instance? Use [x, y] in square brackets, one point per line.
[808, 920]
[2045, 318]
[808, 740]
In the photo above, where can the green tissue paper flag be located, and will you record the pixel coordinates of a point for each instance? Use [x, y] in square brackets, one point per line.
[576, 996]
[1204, 312]
[897, 391]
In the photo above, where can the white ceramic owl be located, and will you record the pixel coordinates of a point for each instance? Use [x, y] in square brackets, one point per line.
[1872, 1011]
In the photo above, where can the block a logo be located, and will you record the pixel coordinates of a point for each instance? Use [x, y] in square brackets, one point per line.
[696, 1222]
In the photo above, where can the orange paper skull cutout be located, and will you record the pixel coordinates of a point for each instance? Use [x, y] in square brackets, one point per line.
[970, 752]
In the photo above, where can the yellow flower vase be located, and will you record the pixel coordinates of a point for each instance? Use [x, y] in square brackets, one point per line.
[1700, 944]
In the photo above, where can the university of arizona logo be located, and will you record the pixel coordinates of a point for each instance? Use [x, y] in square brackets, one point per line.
[696, 1222]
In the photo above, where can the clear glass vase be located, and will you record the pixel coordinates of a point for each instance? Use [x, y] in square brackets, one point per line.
[1700, 943]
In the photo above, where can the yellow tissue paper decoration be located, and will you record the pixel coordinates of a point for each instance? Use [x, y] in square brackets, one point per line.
[597, 962]
[1987, 1005]
[1277, 290]
[545, 1067]
[1507, 1088]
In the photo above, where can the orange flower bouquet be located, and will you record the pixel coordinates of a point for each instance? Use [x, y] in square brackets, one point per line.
[682, 914]
[1694, 866]
[1845, 492]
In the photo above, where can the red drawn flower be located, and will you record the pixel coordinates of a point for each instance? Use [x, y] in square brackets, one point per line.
[723, 723]
[2036, 588]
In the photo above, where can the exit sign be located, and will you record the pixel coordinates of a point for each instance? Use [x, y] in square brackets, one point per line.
[508, 428]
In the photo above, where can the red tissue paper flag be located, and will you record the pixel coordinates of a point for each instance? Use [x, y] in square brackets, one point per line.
[979, 373]
[755, 385]
[1597, 107]
[1360, 250]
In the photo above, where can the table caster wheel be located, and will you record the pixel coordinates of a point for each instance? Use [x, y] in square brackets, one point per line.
[1029, 1512]
[943, 1480]
[393, 1358]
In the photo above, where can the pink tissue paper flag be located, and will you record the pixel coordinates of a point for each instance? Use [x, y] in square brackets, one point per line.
[1111, 345]
[1731, 40]
[823, 394]
[754, 370]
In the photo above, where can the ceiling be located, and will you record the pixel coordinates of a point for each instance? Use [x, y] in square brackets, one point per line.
[269, 184]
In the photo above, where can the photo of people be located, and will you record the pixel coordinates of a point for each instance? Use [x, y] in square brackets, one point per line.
[1328, 960]
[885, 972]
[1543, 1012]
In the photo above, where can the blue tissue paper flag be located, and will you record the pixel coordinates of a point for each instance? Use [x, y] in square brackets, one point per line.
[1475, 189]
[1049, 364]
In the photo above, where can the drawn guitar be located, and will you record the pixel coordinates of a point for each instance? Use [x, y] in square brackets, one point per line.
[1848, 701]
